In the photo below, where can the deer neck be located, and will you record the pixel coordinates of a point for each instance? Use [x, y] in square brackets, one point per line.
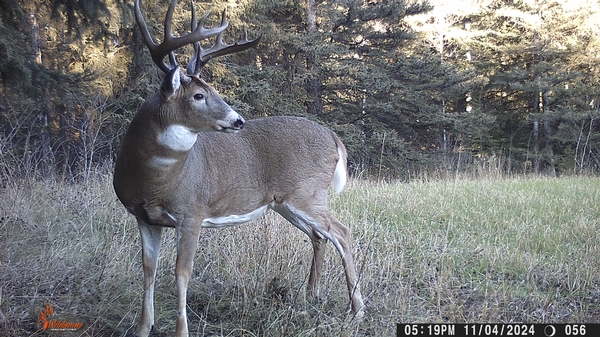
[151, 167]
[160, 145]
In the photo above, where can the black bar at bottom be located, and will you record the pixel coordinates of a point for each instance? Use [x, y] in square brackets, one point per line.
[515, 330]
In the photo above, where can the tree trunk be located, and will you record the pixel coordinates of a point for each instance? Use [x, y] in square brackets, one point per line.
[35, 39]
[536, 147]
[547, 120]
[138, 54]
[313, 86]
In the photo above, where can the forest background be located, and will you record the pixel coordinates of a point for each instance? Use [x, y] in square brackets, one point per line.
[412, 88]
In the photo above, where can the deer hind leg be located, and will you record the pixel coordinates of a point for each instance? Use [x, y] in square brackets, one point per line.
[321, 226]
[342, 234]
[318, 243]
[150, 250]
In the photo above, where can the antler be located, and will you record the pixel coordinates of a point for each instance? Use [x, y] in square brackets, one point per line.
[172, 43]
[202, 56]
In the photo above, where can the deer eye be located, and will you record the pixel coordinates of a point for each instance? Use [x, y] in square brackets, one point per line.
[198, 97]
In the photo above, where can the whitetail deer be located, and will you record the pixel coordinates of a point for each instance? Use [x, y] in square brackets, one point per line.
[172, 171]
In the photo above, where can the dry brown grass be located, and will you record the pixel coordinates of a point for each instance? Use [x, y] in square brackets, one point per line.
[524, 250]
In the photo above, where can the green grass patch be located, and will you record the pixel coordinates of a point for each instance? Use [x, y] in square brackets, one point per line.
[514, 250]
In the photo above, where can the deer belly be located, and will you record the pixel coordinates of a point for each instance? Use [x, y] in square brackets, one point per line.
[232, 220]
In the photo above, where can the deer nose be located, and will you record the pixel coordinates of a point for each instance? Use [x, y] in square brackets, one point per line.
[239, 123]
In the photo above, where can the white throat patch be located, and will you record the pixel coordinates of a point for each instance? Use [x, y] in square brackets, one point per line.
[161, 162]
[177, 138]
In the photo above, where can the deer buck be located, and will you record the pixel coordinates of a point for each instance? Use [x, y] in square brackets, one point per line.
[186, 163]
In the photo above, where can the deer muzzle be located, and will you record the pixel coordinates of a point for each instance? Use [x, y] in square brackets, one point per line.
[234, 124]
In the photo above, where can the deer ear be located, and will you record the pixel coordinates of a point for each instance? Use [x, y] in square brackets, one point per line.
[170, 84]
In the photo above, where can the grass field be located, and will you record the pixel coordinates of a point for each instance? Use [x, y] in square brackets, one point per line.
[495, 250]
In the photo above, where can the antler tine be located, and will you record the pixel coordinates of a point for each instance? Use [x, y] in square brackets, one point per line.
[169, 20]
[191, 68]
[171, 43]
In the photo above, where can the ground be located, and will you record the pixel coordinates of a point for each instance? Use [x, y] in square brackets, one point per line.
[485, 250]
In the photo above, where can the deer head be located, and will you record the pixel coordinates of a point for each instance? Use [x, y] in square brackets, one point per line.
[187, 99]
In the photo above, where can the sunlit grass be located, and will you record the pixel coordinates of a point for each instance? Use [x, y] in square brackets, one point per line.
[491, 250]
[514, 250]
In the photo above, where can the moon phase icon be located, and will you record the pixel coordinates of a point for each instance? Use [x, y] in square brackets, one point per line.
[550, 330]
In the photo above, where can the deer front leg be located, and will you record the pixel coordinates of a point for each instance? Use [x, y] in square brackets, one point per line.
[150, 249]
[187, 243]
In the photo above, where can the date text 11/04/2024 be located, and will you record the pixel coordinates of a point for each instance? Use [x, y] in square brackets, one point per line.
[468, 330]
